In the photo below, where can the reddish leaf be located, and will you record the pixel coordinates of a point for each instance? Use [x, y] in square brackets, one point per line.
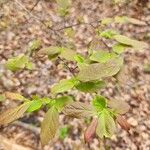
[90, 131]
[123, 122]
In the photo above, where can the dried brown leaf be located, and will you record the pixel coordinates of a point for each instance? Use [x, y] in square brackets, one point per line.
[13, 114]
[14, 96]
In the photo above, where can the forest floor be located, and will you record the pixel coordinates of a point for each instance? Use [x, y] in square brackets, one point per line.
[19, 26]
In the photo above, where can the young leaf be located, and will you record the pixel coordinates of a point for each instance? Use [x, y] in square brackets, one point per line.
[63, 6]
[130, 42]
[69, 32]
[68, 54]
[63, 132]
[14, 96]
[62, 101]
[102, 56]
[78, 110]
[146, 68]
[90, 131]
[119, 48]
[106, 21]
[52, 51]
[99, 103]
[2, 97]
[46, 100]
[106, 124]
[90, 86]
[119, 106]
[98, 71]
[13, 114]
[34, 45]
[16, 63]
[64, 85]
[79, 59]
[30, 66]
[121, 19]
[35, 105]
[108, 33]
[49, 125]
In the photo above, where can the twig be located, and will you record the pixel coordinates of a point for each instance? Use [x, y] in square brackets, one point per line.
[78, 24]
[109, 48]
[34, 6]
[33, 16]
[70, 69]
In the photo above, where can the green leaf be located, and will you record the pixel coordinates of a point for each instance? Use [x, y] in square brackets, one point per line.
[49, 125]
[35, 105]
[147, 68]
[14, 96]
[99, 103]
[118, 106]
[63, 6]
[109, 34]
[102, 56]
[64, 85]
[121, 19]
[30, 66]
[90, 86]
[13, 114]
[34, 45]
[63, 3]
[62, 101]
[52, 51]
[2, 97]
[130, 42]
[98, 71]
[17, 63]
[119, 48]
[68, 54]
[106, 21]
[106, 124]
[63, 132]
[78, 110]
[46, 100]
[69, 32]
[79, 59]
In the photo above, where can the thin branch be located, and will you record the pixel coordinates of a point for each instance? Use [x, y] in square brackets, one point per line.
[34, 5]
[33, 16]
[78, 24]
